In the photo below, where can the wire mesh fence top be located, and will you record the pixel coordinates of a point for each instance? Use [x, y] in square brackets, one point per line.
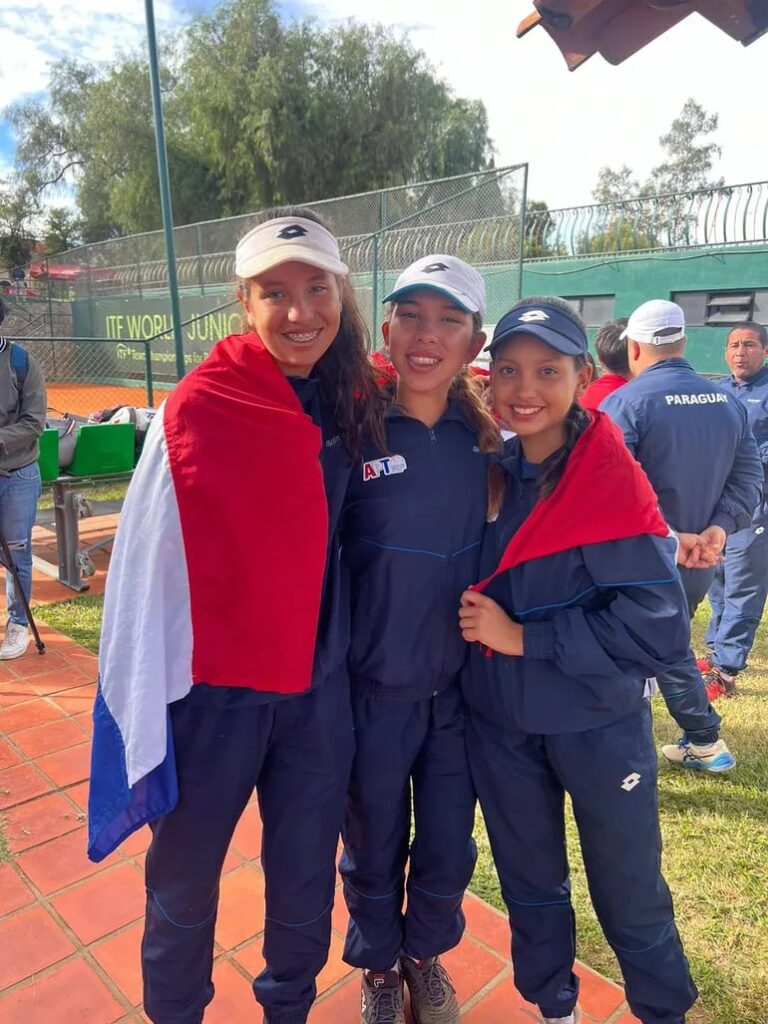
[474, 214]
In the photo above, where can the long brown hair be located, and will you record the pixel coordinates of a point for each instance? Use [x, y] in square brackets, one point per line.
[345, 375]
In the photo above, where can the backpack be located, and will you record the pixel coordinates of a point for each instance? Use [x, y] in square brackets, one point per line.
[19, 365]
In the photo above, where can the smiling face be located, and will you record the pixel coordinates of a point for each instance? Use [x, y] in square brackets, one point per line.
[744, 353]
[430, 339]
[295, 309]
[533, 388]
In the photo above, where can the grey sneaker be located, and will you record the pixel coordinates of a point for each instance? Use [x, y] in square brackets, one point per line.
[433, 997]
[572, 1018]
[16, 641]
[381, 999]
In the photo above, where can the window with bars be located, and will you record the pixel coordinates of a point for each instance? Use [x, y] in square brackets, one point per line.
[723, 309]
[595, 310]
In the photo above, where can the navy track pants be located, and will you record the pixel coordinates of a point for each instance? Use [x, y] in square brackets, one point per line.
[402, 745]
[610, 774]
[737, 596]
[682, 687]
[297, 753]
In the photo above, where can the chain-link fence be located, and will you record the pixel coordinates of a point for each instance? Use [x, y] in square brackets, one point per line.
[103, 309]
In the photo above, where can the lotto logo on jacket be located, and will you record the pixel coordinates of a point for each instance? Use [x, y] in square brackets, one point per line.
[384, 467]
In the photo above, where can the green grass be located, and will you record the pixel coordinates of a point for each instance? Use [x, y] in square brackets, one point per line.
[715, 832]
[106, 492]
[715, 845]
[5, 852]
[79, 618]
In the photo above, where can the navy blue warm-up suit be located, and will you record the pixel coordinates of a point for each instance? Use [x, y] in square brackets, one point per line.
[740, 584]
[694, 442]
[569, 716]
[411, 541]
[296, 751]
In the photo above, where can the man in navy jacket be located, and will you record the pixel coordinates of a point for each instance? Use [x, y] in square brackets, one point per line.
[694, 442]
[740, 584]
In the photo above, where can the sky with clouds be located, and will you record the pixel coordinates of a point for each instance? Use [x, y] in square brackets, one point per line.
[566, 125]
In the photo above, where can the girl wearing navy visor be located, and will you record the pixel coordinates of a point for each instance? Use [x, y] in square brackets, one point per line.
[579, 603]
[411, 540]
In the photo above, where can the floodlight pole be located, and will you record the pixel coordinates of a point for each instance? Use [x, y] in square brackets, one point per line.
[165, 190]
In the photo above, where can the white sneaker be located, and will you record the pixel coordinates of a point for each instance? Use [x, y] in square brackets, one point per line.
[572, 1018]
[16, 641]
[709, 757]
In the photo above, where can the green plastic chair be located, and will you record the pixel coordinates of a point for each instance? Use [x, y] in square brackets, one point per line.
[48, 460]
[103, 449]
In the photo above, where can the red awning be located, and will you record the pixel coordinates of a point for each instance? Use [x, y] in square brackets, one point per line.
[618, 28]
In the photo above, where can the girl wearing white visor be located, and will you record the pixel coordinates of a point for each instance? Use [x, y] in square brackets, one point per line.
[223, 663]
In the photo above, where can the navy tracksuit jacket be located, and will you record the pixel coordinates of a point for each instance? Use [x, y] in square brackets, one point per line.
[694, 442]
[411, 542]
[296, 751]
[570, 716]
[740, 584]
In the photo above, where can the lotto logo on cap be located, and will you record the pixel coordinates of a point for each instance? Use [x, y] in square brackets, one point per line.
[553, 323]
[658, 322]
[284, 239]
[447, 275]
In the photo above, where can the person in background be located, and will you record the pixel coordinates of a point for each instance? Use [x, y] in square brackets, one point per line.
[611, 351]
[579, 603]
[740, 585]
[23, 407]
[694, 443]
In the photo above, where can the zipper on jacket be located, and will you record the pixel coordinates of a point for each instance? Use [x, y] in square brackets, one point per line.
[432, 436]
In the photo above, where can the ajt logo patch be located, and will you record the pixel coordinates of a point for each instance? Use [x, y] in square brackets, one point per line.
[387, 466]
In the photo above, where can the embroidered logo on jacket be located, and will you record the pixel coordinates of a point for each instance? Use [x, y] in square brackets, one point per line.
[630, 782]
[384, 467]
[705, 399]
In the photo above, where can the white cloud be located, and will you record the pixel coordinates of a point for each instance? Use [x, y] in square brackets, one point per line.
[34, 35]
[565, 125]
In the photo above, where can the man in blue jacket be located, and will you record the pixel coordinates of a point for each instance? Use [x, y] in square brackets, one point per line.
[694, 442]
[740, 584]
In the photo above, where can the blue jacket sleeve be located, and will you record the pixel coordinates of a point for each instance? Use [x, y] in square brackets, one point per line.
[641, 628]
[624, 416]
[743, 489]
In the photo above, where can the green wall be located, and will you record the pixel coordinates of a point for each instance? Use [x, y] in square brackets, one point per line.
[635, 279]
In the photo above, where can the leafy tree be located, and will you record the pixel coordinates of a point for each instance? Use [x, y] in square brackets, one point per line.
[690, 155]
[17, 208]
[615, 186]
[257, 112]
[62, 230]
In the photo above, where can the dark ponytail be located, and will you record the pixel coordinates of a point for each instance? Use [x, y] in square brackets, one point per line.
[576, 421]
[467, 392]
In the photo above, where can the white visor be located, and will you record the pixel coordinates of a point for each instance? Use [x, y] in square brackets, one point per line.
[288, 238]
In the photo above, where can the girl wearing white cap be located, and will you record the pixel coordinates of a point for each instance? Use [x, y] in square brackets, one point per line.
[415, 515]
[223, 664]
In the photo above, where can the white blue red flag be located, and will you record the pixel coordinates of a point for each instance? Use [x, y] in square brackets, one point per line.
[215, 576]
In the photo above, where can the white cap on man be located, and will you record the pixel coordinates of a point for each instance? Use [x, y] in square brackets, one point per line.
[650, 323]
[445, 274]
[285, 239]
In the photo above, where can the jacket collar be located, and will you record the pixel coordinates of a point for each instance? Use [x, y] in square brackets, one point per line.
[761, 377]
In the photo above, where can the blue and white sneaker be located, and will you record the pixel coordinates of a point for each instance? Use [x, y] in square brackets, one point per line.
[709, 757]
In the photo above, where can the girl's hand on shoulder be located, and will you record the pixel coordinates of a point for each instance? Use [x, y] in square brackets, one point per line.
[485, 622]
